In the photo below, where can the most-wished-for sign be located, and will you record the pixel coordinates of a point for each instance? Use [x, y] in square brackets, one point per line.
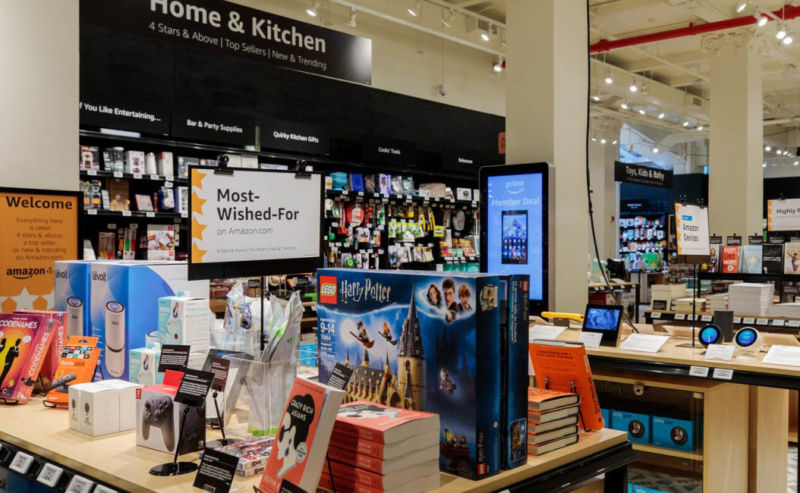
[642, 175]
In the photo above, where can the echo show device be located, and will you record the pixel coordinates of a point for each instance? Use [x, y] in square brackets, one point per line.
[115, 338]
[709, 334]
[603, 319]
[748, 340]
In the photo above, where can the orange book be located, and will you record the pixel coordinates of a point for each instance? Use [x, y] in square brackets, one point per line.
[564, 367]
[542, 400]
[301, 443]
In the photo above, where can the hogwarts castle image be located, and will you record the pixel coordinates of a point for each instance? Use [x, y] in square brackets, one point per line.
[406, 388]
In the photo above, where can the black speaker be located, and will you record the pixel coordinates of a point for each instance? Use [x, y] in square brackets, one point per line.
[724, 320]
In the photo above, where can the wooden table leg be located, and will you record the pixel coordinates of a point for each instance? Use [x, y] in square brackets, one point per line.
[769, 439]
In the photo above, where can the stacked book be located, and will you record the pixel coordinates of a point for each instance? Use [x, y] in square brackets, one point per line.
[717, 302]
[685, 304]
[552, 420]
[788, 310]
[751, 298]
[376, 449]
[667, 293]
[252, 455]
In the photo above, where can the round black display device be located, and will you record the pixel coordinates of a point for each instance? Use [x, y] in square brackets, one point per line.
[746, 337]
[636, 428]
[678, 435]
[709, 334]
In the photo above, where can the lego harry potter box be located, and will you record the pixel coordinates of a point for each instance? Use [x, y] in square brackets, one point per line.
[424, 341]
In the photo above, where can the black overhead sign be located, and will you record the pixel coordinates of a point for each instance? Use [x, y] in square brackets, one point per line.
[138, 117]
[291, 136]
[456, 160]
[239, 31]
[642, 175]
[204, 123]
[387, 150]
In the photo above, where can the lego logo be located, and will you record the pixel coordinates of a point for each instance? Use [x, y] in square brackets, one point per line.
[524, 286]
[328, 290]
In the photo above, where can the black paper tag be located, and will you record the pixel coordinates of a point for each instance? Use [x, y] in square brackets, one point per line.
[340, 376]
[219, 367]
[659, 304]
[733, 240]
[216, 471]
[289, 487]
[173, 357]
[194, 387]
[755, 240]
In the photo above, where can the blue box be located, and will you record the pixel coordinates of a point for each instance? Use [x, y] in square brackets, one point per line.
[71, 294]
[606, 414]
[637, 425]
[424, 341]
[514, 374]
[673, 433]
[124, 305]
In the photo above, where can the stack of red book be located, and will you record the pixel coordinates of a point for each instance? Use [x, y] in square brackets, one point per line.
[552, 420]
[376, 449]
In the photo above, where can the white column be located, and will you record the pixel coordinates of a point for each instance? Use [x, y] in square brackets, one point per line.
[39, 94]
[736, 136]
[546, 102]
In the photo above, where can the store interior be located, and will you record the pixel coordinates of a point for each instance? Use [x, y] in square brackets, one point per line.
[447, 245]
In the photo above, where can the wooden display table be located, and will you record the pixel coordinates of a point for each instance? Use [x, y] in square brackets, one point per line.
[116, 461]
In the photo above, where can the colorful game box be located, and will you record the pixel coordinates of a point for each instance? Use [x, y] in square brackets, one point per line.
[24, 343]
[424, 341]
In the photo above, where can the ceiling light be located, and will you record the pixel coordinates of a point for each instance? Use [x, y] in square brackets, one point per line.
[485, 36]
[499, 64]
[415, 9]
[767, 148]
[788, 40]
[312, 10]
[781, 32]
[778, 152]
[351, 20]
[685, 124]
[764, 165]
[447, 18]
[700, 128]
[762, 20]
[603, 141]
[796, 163]
[594, 139]
[596, 98]
[642, 111]
[634, 87]
[624, 105]
[614, 141]
[741, 6]
[661, 116]
[655, 150]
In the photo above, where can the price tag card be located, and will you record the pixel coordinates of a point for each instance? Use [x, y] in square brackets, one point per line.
[590, 339]
[21, 463]
[436, 199]
[216, 472]
[150, 214]
[92, 172]
[655, 315]
[737, 320]
[680, 316]
[49, 475]
[778, 322]
[184, 215]
[706, 318]
[340, 376]
[720, 352]
[793, 323]
[79, 484]
[762, 321]
[219, 367]
[722, 374]
[376, 195]
[167, 184]
[698, 371]
[360, 194]
[173, 357]
[118, 174]
[155, 177]
[748, 320]
[646, 343]
[102, 489]
[91, 212]
[126, 213]
[549, 332]
[138, 176]
[783, 355]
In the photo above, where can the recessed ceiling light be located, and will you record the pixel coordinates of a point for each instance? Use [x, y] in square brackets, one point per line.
[778, 152]
[608, 79]
[594, 139]
[661, 116]
[603, 141]
[642, 111]
[633, 88]
[414, 10]
[700, 128]
[655, 150]
[596, 97]
[781, 32]
[767, 148]
[313, 9]
[762, 20]
[686, 124]
[624, 105]
[741, 6]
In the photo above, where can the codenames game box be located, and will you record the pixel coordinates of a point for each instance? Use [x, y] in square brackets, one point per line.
[425, 341]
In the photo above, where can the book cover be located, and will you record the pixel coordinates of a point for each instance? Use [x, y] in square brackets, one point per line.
[535, 417]
[791, 258]
[715, 259]
[772, 258]
[302, 440]
[24, 342]
[382, 424]
[730, 259]
[545, 399]
[750, 259]
[564, 366]
[514, 373]
[556, 444]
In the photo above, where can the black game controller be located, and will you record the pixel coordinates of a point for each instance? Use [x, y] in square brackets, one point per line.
[158, 413]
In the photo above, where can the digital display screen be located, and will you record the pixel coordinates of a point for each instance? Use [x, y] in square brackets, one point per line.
[709, 335]
[602, 319]
[514, 236]
[746, 337]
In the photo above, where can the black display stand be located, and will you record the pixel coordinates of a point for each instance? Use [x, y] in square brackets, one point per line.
[224, 441]
[176, 468]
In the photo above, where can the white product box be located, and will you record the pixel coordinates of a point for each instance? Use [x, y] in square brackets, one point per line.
[184, 320]
[126, 393]
[93, 409]
[165, 166]
[134, 162]
[143, 366]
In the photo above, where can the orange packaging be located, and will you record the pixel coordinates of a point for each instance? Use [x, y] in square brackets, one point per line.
[79, 359]
[564, 367]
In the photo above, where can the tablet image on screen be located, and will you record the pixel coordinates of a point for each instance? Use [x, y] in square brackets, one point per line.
[602, 318]
[515, 237]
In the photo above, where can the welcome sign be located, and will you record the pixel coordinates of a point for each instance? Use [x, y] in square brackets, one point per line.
[239, 31]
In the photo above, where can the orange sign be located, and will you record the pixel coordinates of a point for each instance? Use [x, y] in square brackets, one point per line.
[501, 143]
[37, 228]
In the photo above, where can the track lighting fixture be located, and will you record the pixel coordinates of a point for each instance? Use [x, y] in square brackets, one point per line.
[788, 39]
[661, 116]
[768, 148]
[595, 98]
[761, 19]
[624, 105]
[608, 80]
[655, 150]
[351, 19]
[313, 10]
[642, 111]
[485, 35]
[778, 152]
[781, 33]
[700, 128]
[614, 142]
[415, 8]
[594, 139]
[796, 163]
[499, 65]
[686, 124]
[447, 18]
[634, 87]
[740, 6]
[603, 141]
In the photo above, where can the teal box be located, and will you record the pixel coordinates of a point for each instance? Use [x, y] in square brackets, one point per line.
[637, 425]
[143, 366]
[606, 417]
[673, 433]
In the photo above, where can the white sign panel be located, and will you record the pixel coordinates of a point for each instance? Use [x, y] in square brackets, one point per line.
[691, 223]
[783, 215]
[254, 216]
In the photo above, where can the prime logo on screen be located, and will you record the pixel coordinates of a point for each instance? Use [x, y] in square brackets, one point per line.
[642, 175]
[240, 31]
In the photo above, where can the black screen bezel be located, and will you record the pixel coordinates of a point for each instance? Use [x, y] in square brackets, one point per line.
[610, 337]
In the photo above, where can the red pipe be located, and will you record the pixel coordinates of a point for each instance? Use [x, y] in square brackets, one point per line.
[788, 12]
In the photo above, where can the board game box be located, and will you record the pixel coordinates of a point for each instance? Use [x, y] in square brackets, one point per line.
[424, 341]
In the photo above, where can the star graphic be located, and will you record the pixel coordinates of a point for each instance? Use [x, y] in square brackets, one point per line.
[24, 300]
[197, 179]
[197, 203]
[197, 254]
[8, 305]
[197, 229]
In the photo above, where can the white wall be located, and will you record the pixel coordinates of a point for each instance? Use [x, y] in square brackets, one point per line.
[39, 94]
[407, 61]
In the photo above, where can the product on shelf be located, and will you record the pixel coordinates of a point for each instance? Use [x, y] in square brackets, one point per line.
[750, 256]
[751, 298]
[135, 162]
[552, 420]
[772, 258]
[114, 159]
[184, 320]
[252, 454]
[730, 259]
[158, 418]
[76, 365]
[119, 194]
[108, 406]
[791, 258]
[24, 344]
[90, 158]
[160, 242]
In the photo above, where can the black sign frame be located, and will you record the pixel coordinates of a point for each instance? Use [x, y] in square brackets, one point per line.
[642, 175]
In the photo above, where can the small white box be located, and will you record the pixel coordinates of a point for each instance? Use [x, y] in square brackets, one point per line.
[143, 366]
[126, 393]
[165, 164]
[184, 320]
[94, 409]
[134, 162]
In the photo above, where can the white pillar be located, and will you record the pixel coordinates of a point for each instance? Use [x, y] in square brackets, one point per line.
[546, 103]
[736, 136]
[39, 94]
